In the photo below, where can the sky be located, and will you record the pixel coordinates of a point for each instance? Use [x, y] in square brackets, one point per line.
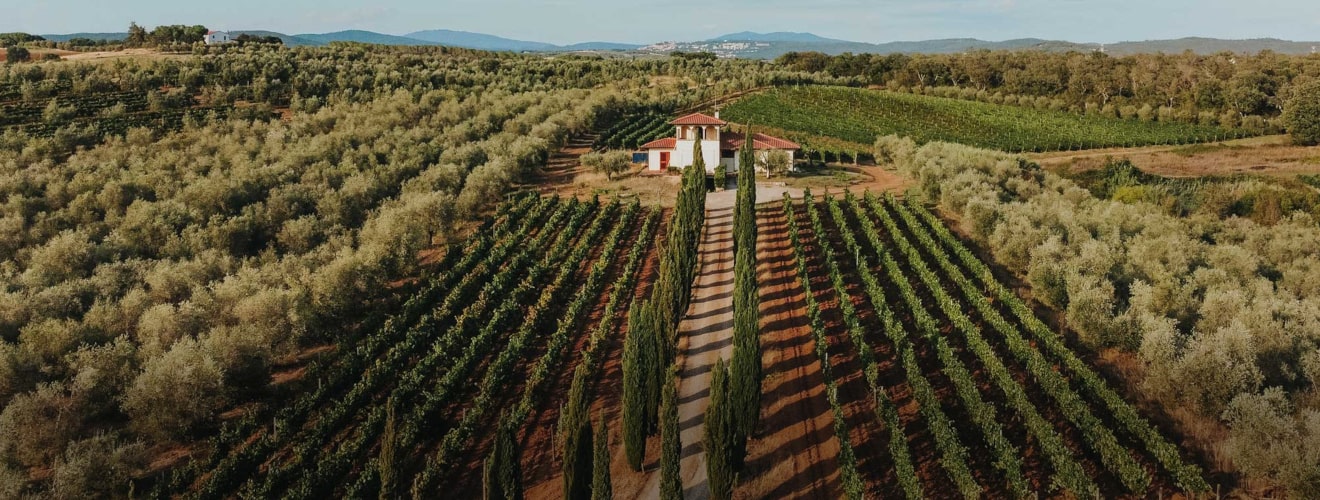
[570, 21]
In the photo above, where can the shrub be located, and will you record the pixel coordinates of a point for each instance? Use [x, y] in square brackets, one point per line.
[1301, 114]
[35, 426]
[17, 54]
[1267, 441]
[98, 467]
[175, 392]
[894, 150]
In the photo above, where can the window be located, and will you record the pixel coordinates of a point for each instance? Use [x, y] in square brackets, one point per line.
[727, 153]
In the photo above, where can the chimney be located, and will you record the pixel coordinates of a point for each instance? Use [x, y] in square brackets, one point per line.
[717, 114]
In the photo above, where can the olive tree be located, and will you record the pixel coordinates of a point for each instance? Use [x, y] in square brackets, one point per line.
[175, 391]
[98, 467]
[1267, 440]
[610, 163]
[775, 163]
[35, 426]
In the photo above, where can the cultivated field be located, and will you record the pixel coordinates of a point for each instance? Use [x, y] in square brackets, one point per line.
[488, 342]
[861, 115]
[948, 384]
[361, 271]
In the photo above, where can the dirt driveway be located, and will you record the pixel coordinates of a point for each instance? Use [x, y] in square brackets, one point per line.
[706, 335]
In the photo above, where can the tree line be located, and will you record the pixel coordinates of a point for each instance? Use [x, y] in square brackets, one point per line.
[1183, 87]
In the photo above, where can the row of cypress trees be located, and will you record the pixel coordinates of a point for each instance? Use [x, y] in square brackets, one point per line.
[650, 347]
[735, 405]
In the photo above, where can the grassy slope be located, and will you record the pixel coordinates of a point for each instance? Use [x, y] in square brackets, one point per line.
[860, 115]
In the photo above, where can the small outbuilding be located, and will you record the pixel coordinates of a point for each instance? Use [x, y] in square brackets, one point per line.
[217, 37]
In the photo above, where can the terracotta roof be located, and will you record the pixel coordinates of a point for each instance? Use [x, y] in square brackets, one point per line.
[735, 140]
[666, 143]
[698, 119]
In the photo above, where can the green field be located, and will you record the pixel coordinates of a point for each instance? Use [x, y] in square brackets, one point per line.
[861, 115]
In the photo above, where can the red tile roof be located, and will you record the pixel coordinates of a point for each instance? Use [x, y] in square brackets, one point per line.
[698, 119]
[735, 140]
[666, 143]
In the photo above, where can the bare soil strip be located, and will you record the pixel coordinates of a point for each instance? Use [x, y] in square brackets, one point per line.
[795, 452]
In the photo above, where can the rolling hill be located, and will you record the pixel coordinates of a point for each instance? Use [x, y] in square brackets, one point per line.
[753, 45]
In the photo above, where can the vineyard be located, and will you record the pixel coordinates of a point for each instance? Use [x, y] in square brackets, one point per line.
[861, 116]
[483, 345]
[968, 393]
[105, 113]
[635, 130]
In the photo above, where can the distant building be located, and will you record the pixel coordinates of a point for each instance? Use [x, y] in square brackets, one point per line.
[217, 37]
[717, 146]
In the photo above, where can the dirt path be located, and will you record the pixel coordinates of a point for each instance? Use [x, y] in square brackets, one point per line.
[795, 452]
[706, 335]
[1269, 155]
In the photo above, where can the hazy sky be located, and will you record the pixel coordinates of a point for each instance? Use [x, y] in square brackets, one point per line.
[566, 21]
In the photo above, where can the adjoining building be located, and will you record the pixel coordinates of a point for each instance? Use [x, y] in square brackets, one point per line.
[676, 152]
[217, 37]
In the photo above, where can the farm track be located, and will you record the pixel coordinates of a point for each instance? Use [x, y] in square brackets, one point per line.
[705, 335]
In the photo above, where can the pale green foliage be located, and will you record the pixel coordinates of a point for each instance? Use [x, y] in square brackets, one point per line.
[175, 391]
[775, 163]
[49, 339]
[35, 426]
[11, 482]
[64, 257]
[610, 163]
[1268, 440]
[894, 150]
[97, 467]
[101, 373]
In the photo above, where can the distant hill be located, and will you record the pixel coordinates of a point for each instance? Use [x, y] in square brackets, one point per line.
[361, 36]
[779, 36]
[1212, 45]
[479, 41]
[753, 45]
[601, 46]
[771, 45]
[90, 36]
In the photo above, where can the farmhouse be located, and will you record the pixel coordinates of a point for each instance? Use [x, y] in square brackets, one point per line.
[715, 143]
[217, 37]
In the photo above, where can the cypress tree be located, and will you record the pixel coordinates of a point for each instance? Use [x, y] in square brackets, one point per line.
[637, 377]
[601, 489]
[577, 466]
[671, 446]
[719, 439]
[502, 474]
[745, 376]
[573, 418]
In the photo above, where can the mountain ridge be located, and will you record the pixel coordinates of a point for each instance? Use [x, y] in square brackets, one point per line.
[754, 45]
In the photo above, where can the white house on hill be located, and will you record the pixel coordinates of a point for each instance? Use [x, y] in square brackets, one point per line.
[715, 143]
[217, 37]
